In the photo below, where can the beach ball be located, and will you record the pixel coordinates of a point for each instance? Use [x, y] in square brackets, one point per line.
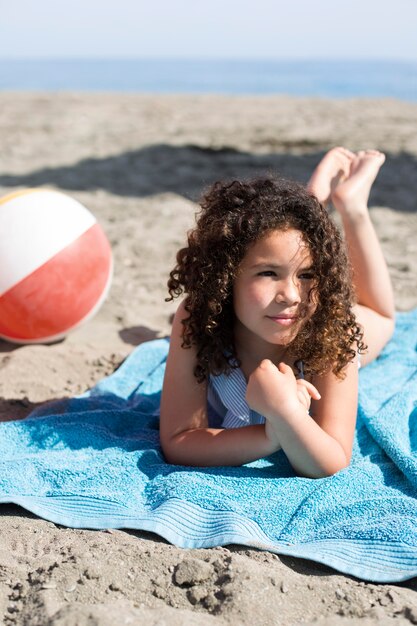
[55, 266]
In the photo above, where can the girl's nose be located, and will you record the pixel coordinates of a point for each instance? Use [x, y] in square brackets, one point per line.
[288, 292]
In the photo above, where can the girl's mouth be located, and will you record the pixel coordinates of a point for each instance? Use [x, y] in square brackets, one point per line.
[283, 320]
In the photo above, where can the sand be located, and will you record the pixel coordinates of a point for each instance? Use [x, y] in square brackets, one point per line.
[140, 163]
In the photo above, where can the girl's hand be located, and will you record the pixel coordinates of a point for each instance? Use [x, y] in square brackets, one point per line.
[275, 393]
[306, 392]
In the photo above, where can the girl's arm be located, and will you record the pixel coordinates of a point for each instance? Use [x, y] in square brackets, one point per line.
[185, 436]
[319, 444]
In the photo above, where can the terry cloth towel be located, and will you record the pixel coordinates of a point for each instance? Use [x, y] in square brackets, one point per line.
[95, 462]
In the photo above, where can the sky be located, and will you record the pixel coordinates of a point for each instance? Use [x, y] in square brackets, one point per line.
[235, 29]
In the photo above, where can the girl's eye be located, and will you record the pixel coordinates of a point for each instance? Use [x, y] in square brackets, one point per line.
[307, 276]
[267, 273]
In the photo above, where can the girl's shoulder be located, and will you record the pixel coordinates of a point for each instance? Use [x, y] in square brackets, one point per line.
[176, 345]
[180, 314]
[184, 399]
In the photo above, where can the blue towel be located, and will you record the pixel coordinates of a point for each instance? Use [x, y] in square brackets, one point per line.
[95, 462]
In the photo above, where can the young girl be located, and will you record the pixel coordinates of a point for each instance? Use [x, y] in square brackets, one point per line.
[263, 351]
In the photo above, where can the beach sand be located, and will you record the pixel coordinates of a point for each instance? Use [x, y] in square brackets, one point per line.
[139, 163]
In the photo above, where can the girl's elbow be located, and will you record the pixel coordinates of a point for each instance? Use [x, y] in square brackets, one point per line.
[328, 470]
[335, 468]
[340, 461]
[168, 449]
[173, 451]
[169, 456]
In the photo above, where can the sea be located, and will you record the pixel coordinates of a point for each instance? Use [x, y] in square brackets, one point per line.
[317, 78]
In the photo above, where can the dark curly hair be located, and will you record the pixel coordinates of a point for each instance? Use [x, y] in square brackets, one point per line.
[234, 215]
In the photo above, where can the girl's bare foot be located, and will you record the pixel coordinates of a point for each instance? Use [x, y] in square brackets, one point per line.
[334, 167]
[351, 195]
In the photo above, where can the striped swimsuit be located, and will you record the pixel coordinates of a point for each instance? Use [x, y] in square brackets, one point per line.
[226, 404]
[227, 407]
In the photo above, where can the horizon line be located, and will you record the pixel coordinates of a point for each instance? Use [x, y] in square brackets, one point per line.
[294, 59]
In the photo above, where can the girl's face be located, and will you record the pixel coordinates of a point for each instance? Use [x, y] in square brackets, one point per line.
[271, 290]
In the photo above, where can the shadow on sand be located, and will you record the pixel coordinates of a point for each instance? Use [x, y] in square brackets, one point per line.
[187, 170]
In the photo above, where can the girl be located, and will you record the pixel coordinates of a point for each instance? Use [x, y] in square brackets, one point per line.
[263, 351]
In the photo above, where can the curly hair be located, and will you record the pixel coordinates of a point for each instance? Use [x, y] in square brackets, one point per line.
[234, 215]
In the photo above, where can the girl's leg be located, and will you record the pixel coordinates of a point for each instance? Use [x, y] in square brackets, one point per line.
[375, 310]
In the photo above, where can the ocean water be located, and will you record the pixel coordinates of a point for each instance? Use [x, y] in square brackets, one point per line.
[335, 79]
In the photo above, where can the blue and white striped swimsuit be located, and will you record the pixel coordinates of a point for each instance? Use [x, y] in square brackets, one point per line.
[227, 407]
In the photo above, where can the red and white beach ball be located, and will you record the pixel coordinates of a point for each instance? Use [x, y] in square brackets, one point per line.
[55, 265]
